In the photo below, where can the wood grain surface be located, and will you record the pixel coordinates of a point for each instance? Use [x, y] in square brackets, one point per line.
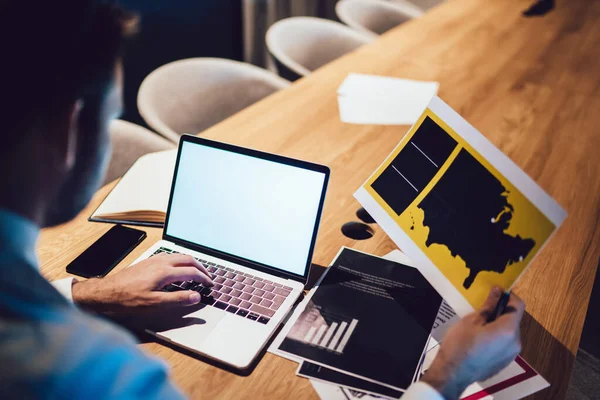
[531, 85]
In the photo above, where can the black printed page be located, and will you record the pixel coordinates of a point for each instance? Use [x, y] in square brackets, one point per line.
[369, 318]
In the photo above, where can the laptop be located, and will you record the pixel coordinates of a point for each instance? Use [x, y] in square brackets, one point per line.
[251, 218]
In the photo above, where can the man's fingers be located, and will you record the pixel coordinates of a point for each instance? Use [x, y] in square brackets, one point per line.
[516, 305]
[489, 307]
[513, 313]
[181, 298]
[182, 260]
[508, 324]
[177, 274]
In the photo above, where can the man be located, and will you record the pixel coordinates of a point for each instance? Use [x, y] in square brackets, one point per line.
[62, 86]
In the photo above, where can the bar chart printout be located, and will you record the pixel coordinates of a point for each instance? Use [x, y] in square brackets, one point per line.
[326, 330]
[368, 318]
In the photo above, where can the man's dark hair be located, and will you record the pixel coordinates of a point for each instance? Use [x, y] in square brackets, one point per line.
[55, 52]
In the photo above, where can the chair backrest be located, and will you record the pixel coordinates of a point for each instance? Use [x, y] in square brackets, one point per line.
[191, 95]
[421, 4]
[410, 6]
[374, 17]
[304, 44]
[129, 142]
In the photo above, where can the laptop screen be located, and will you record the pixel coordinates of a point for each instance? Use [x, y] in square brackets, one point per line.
[246, 206]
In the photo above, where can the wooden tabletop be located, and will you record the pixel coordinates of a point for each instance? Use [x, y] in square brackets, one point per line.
[531, 85]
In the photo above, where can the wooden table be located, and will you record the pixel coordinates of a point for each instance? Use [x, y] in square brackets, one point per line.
[532, 86]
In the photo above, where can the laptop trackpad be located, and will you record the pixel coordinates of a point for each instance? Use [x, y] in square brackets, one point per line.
[188, 327]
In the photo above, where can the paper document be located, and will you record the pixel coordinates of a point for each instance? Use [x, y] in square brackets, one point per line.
[319, 373]
[368, 318]
[516, 381]
[396, 256]
[327, 391]
[382, 100]
[464, 213]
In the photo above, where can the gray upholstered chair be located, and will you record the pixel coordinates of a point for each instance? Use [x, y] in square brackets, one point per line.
[191, 95]
[374, 17]
[129, 142]
[300, 45]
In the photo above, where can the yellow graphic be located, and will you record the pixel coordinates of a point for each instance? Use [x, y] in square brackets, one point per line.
[527, 221]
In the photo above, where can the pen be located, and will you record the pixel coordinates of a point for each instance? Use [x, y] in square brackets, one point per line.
[500, 306]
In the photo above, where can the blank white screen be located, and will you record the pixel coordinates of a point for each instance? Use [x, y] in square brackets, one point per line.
[245, 206]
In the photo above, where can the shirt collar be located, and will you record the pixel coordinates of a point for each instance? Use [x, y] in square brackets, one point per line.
[18, 236]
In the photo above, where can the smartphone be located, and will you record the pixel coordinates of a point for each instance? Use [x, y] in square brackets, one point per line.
[101, 257]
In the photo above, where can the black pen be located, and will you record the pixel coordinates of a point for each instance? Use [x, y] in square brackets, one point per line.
[500, 306]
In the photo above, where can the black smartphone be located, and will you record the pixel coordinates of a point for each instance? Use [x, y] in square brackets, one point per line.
[101, 257]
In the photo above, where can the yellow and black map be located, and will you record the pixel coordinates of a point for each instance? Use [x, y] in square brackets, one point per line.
[467, 218]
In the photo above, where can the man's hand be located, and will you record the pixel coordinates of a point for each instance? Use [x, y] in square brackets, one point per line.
[474, 350]
[138, 287]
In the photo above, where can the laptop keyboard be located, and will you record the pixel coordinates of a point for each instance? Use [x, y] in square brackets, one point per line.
[236, 292]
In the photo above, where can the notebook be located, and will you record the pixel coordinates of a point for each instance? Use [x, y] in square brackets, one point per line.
[142, 195]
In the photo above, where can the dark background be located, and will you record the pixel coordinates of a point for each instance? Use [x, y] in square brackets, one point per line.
[176, 29]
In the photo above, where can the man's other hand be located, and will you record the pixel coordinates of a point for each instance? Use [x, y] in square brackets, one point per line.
[139, 286]
[474, 350]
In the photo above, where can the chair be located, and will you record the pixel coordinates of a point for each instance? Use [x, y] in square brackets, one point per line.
[410, 5]
[374, 17]
[300, 45]
[191, 95]
[422, 4]
[129, 142]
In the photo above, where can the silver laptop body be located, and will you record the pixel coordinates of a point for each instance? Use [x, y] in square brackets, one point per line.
[251, 218]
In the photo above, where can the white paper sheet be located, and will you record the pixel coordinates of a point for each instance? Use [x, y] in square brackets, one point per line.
[381, 100]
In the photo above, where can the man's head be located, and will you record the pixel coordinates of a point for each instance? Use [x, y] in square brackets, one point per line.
[61, 83]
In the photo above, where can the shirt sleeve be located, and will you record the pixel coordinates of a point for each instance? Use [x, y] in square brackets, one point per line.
[63, 353]
[421, 391]
[65, 287]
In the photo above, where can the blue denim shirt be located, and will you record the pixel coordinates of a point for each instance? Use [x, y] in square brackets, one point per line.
[50, 349]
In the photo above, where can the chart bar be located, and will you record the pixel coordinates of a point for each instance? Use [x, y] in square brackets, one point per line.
[340, 348]
[320, 333]
[329, 334]
[310, 334]
[337, 336]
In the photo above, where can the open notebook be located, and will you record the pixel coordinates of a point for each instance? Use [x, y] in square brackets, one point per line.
[142, 195]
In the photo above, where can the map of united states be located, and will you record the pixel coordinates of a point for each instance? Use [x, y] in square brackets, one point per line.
[467, 211]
